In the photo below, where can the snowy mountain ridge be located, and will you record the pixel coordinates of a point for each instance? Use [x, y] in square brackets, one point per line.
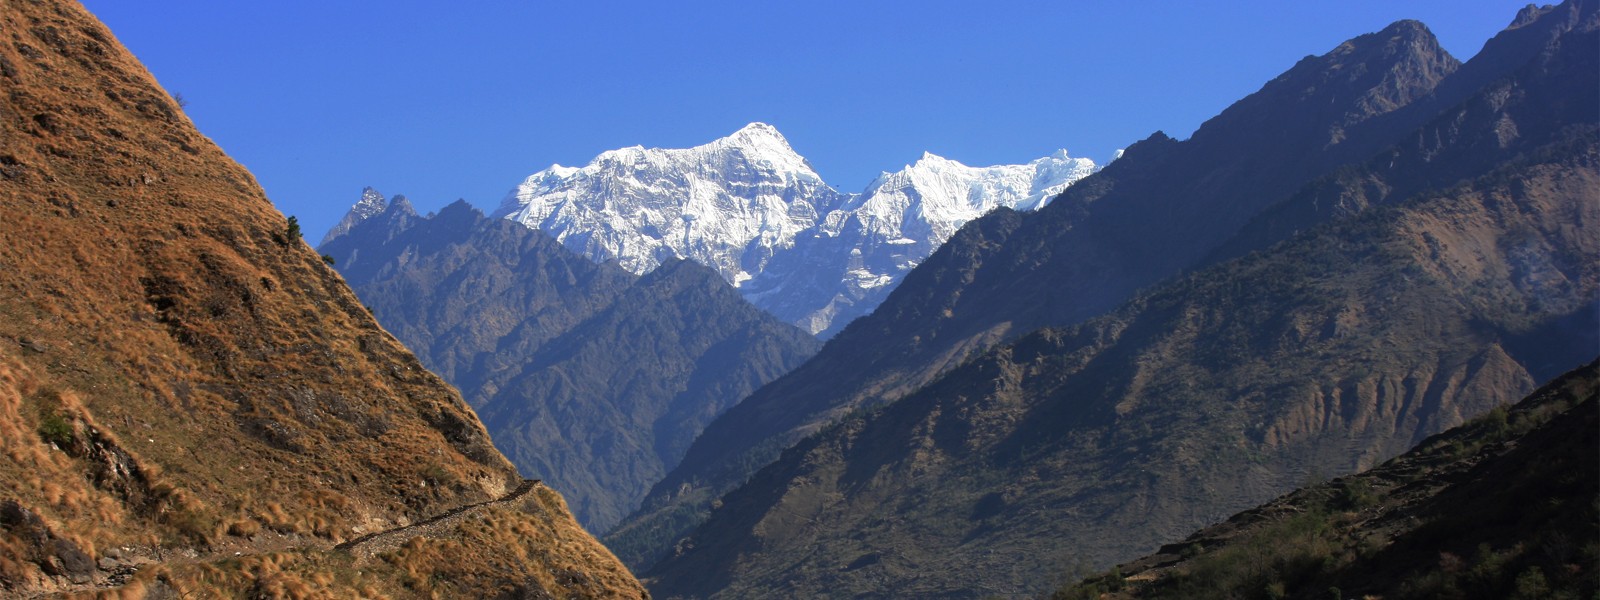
[848, 264]
[729, 204]
[751, 208]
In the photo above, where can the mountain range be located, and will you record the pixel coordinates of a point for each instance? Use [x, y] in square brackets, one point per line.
[755, 211]
[1056, 369]
[192, 403]
[1162, 207]
[1377, 245]
[588, 377]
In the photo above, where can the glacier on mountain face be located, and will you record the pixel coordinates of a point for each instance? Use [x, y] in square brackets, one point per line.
[751, 208]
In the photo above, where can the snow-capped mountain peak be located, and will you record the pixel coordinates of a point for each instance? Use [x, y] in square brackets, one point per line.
[761, 144]
[753, 209]
[943, 194]
[729, 204]
[760, 137]
[371, 203]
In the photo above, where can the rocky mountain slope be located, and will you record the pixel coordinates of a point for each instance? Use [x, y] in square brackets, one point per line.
[587, 376]
[1496, 508]
[1343, 345]
[191, 402]
[1095, 444]
[1009, 273]
[752, 209]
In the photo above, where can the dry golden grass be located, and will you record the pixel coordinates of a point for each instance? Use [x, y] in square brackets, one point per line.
[178, 376]
[529, 556]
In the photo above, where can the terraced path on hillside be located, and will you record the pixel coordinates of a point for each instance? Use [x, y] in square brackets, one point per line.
[389, 540]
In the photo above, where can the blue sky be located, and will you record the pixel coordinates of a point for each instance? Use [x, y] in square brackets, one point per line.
[441, 101]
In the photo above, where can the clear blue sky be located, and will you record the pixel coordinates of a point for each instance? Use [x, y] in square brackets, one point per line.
[462, 100]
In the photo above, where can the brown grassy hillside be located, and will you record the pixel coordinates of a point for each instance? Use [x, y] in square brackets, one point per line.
[182, 379]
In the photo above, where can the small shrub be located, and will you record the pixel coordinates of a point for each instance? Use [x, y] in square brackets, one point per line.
[57, 430]
[1356, 494]
[245, 527]
[436, 475]
[328, 258]
[1531, 584]
[1191, 550]
[193, 524]
[1115, 581]
[1498, 424]
[291, 233]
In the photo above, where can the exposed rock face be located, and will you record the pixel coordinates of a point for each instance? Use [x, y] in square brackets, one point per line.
[1097, 443]
[190, 400]
[453, 285]
[588, 377]
[752, 209]
[1485, 510]
[1336, 343]
[1163, 206]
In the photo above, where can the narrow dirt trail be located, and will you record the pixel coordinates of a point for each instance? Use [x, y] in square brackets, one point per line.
[114, 573]
[389, 540]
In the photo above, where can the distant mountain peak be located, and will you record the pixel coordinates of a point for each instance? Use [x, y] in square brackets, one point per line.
[763, 142]
[757, 134]
[370, 204]
[712, 202]
[1330, 95]
[747, 203]
[399, 203]
[1403, 31]
[1409, 27]
[459, 204]
[972, 191]
[1528, 14]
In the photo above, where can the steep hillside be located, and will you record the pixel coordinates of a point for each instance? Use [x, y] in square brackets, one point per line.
[1162, 207]
[1207, 395]
[1502, 507]
[1338, 348]
[191, 402]
[454, 285]
[587, 377]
